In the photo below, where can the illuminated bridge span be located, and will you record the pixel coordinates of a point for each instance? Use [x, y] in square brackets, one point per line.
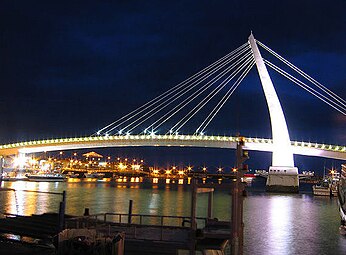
[256, 144]
[201, 97]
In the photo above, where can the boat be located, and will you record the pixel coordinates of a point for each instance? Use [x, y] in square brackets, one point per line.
[261, 173]
[322, 189]
[13, 177]
[328, 186]
[72, 175]
[46, 177]
[342, 199]
[93, 175]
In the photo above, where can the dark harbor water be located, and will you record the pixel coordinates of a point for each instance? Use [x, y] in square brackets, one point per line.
[274, 223]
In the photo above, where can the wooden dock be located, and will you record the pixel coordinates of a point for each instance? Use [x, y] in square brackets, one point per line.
[166, 235]
[28, 234]
[44, 226]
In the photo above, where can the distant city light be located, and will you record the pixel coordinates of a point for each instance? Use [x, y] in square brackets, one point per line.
[20, 161]
[122, 166]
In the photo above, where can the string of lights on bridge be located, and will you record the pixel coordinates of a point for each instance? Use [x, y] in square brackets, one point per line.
[329, 147]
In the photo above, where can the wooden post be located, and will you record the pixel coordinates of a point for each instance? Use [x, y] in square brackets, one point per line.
[64, 196]
[193, 204]
[241, 223]
[210, 204]
[193, 216]
[237, 201]
[130, 212]
[62, 207]
[86, 212]
[235, 217]
[1, 169]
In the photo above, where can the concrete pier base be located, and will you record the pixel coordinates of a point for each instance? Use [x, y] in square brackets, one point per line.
[283, 179]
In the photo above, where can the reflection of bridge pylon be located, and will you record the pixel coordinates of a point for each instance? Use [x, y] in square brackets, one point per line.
[283, 176]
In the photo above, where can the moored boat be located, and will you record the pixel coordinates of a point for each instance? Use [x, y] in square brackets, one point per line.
[328, 186]
[322, 189]
[47, 177]
[13, 177]
[94, 175]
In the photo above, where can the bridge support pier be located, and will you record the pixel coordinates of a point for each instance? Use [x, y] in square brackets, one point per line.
[283, 179]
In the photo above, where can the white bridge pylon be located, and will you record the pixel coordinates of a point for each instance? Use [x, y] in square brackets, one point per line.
[283, 175]
[282, 152]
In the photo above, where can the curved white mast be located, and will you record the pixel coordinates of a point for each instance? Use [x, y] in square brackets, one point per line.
[282, 152]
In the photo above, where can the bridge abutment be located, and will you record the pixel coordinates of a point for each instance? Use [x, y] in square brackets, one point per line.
[283, 179]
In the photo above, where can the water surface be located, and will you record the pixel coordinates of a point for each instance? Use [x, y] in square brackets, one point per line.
[274, 223]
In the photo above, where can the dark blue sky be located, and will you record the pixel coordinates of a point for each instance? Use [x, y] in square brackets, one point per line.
[68, 68]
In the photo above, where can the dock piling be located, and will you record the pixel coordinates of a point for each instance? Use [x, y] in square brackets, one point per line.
[210, 205]
[130, 211]
[1, 169]
[86, 212]
[62, 207]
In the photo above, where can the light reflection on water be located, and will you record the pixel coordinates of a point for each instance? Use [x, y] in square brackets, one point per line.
[292, 224]
[280, 222]
[274, 223]
[26, 203]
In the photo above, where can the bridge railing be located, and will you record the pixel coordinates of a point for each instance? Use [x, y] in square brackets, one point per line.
[140, 219]
[182, 137]
[139, 226]
[327, 147]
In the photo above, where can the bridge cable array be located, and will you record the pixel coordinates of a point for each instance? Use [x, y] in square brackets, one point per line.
[164, 95]
[174, 108]
[182, 102]
[321, 92]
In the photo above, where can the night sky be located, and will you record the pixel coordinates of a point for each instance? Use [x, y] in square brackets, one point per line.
[68, 68]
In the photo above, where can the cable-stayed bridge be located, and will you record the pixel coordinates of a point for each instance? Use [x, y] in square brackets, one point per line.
[198, 99]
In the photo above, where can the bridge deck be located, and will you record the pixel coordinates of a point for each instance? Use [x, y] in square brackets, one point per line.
[259, 144]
